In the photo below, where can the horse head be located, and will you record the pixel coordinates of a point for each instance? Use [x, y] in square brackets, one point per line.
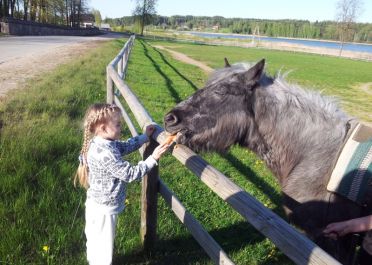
[208, 119]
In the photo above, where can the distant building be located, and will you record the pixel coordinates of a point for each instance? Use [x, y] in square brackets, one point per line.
[105, 27]
[87, 20]
[183, 27]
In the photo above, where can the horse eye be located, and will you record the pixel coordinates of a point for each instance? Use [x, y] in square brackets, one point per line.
[220, 92]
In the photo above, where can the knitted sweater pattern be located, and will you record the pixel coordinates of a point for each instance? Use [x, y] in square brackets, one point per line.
[109, 172]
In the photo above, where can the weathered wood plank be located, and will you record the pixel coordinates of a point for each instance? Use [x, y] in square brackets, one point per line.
[292, 243]
[127, 45]
[109, 88]
[149, 202]
[214, 251]
[140, 113]
[126, 117]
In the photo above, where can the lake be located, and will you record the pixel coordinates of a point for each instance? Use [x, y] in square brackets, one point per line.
[355, 47]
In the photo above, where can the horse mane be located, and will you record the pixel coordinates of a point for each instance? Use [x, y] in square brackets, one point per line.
[286, 95]
[281, 111]
[227, 73]
[308, 101]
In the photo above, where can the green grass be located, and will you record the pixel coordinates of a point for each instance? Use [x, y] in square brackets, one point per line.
[334, 76]
[41, 138]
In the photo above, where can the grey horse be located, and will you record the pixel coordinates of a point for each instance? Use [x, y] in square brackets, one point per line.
[297, 132]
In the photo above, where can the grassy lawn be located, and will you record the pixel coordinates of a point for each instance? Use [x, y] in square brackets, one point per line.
[41, 133]
[334, 76]
[40, 138]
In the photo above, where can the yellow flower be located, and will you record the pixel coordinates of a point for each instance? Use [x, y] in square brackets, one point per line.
[126, 201]
[46, 248]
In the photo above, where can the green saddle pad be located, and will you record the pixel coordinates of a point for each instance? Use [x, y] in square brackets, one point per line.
[353, 171]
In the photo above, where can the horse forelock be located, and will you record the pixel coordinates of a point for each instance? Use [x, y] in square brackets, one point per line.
[228, 72]
[227, 75]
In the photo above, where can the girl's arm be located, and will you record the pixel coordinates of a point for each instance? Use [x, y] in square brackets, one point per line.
[123, 170]
[126, 172]
[132, 144]
[361, 224]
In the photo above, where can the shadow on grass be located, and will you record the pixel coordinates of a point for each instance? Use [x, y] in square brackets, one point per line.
[175, 70]
[185, 250]
[259, 182]
[168, 81]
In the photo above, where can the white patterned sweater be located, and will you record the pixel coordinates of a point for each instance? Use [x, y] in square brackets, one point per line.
[109, 172]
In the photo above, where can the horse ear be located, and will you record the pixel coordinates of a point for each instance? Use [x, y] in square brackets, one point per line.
[253, 75]
[226, 62]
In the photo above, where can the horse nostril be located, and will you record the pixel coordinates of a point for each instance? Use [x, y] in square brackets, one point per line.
[171, 119]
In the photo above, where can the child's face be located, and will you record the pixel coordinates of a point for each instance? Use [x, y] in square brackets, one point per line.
[113, 128]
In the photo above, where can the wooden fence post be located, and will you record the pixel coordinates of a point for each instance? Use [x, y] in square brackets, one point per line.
[149, 202]
[120, 67]
[109, 87]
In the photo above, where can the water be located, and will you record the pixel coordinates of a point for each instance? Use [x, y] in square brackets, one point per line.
[355, 47]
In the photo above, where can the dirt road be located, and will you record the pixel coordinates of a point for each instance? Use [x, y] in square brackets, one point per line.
[184, 58]
[22, 58]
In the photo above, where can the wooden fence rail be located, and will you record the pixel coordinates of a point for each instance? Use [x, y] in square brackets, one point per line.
[292, 243]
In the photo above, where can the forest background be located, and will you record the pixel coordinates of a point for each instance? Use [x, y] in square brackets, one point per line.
[327, 30]
[70, 12]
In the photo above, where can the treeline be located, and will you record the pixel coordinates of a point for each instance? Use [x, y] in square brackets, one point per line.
[57, 12]
[362, 32]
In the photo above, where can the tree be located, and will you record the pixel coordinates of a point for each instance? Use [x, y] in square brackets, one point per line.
[144, 11]
[347, 12]
[97, 17]
[59, 12]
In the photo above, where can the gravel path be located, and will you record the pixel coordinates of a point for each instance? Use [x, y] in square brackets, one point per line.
[184, 58]
[23, 58]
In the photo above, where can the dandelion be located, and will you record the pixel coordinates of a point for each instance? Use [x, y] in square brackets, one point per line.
[126, 202]
[45, 248]
[272, 253]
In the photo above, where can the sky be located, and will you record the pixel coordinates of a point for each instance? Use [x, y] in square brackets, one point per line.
[312, 10]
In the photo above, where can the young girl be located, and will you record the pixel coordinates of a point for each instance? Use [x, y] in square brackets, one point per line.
[104, 173]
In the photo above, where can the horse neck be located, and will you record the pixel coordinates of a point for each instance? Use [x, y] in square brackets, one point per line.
[287, 133]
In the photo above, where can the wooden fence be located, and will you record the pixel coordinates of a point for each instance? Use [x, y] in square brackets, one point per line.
[296, 246]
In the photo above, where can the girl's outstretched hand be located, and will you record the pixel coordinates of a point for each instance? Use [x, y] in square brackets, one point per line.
[335, 230]
[356, 225]
[160, 150]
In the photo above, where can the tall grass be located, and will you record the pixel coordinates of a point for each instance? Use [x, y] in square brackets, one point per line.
[41, 211]
[42, 214]
[166, 82]
[334, 76]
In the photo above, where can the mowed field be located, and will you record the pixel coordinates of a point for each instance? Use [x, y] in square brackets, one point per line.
[42, 213]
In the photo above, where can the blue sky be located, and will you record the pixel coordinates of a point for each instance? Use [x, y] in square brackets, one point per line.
[265, 9]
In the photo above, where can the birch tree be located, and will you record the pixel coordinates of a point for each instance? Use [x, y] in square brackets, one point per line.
[144, 11]
[347, 13]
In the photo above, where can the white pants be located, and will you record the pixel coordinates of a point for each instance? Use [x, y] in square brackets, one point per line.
[100, 232]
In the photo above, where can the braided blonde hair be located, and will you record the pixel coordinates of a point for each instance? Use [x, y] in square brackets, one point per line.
[96, 114]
